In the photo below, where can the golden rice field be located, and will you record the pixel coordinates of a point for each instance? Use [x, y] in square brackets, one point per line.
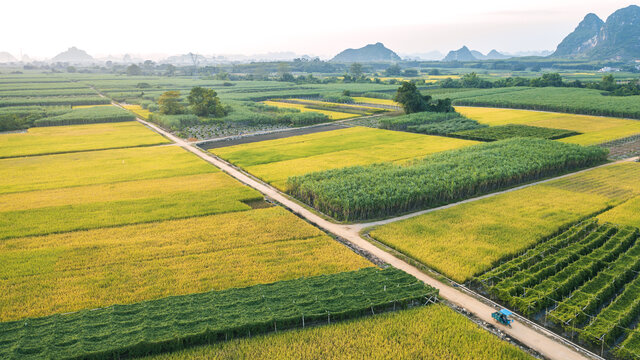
[71, 271]
[327, 103]
[97, 167]
[276, 160]
[367, 100]
[594, 129]
[625, 214]
[469, 238]
[105, 205]
[138, 110]
[333, 115]
[61, 139]
[427, 332]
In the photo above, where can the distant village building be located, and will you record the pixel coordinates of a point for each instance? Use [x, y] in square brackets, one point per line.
[608, 69]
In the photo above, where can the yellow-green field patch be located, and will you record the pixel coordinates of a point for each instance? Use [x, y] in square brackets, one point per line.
[276, 160]
[593, 129]
[625, 214]
[427, 332]
[96, 206]
[333, 115]
[468, 239]
[88, 269]
[60, 139]
[97, 167]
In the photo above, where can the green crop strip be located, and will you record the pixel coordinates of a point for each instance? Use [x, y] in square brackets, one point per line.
[176, 322]
[495, 133]
[365, 192]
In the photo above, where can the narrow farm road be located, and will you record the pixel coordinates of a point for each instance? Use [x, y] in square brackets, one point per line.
[542, 341]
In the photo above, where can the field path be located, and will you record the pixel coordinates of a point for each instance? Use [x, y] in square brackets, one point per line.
[539, 339]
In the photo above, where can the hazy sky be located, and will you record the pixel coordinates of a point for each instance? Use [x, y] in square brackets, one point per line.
[321, 27]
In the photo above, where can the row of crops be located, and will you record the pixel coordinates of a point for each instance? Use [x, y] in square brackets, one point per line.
[495, 133]
[44, 101]
[585, 281]
[430, 123]
[90, 115]
[379, 190]
[177, 322]
[567, 100]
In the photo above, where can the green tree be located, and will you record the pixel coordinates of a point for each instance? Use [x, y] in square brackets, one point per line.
[393, 70]
[205, 102]
[608, 83]
[133, 70]
[411, 99]
[356, 69]
[169, 103]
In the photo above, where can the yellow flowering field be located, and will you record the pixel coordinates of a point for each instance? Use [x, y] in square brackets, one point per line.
[426, 332]
[87, 269]
[276, 160]
[593, 129]
[468, 239]
[72, 138]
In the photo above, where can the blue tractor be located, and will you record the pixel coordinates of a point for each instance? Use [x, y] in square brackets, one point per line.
[502, 317]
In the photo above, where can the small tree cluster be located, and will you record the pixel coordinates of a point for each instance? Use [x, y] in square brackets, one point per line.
[413, 101]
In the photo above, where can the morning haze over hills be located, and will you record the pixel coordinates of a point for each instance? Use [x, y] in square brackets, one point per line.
[595, 39]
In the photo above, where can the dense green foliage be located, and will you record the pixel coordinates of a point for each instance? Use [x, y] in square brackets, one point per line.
[169, 103]
[502, 132]
[413, 101]
[431, 123]
[176, 322]
[22, 117]
[174, 122]
[205, 102]
[365, 192]
[587, 275]
[92, 115]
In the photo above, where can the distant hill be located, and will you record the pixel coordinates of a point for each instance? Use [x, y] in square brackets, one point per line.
[462, 54]
[73, 55]
[616, 39]
[370, 53]
[477, 54]
[5, 57]
[496, 55]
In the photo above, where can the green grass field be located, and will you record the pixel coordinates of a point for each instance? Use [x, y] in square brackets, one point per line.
[276, 160]
[470, 238]
[73, 138]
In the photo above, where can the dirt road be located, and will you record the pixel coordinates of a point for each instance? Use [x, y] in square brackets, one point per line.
[539, 340]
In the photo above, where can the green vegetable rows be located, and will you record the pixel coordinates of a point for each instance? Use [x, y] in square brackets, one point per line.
[588, 277]
[92, 115]
[430, 123]
[180, 321]
[365, 192]
[494, 133]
